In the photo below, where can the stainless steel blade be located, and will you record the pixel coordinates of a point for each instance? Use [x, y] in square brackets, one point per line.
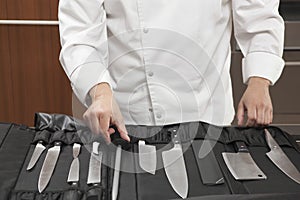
[48, 166]
[38, 150]
[147, 157]
[94, 174]
[242, 166]
[280, 159]
[175, 170]
[74, 168]
[115, 186]
[74, 171]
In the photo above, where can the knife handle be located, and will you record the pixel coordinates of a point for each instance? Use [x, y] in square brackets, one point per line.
[241, 147]
[117, 140]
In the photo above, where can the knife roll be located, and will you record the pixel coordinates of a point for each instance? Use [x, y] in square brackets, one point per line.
[134, 185]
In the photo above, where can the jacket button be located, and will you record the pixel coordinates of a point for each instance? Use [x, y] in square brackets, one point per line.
[145, 30]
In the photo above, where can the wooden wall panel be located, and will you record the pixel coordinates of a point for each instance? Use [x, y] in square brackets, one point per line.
[6, 97]
[3, 14]
[32, 9]
[39, 83]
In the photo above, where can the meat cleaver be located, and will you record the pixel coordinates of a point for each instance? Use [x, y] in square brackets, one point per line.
[241, 164]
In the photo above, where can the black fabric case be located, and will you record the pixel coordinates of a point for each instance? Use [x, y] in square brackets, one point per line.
[18, 142]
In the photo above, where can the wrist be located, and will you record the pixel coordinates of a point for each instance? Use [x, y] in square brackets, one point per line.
[259, 81]
[100, 90]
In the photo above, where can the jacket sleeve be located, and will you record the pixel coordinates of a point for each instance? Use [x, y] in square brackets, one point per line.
[259, 31]
[84, 53]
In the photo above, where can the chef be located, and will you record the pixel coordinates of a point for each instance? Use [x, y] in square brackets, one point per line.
[157, 62]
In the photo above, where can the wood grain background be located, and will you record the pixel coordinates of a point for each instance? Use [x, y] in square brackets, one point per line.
[32, 80]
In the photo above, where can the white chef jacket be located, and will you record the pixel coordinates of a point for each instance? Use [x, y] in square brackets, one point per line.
[168, 61]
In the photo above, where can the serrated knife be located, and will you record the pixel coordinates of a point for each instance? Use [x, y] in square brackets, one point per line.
[278, 157]
[175, 167]
[48, 166]
[147, 157]
[73, 176]
[94, 174]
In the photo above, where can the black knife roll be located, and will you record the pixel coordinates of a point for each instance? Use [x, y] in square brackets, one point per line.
[17, 144]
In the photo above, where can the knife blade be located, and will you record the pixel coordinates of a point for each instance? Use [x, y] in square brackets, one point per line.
[147, 157]
[38, 150]
[175, 167]
[73, 176]
[208, 166]
[48, 166]
[280, 159]
[241, 164]
[94, 174]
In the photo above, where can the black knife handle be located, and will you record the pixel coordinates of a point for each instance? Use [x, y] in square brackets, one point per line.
[241, 147]
[117, 140]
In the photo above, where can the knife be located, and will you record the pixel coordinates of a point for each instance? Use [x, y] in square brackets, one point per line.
[208, 166]
[115, 186]
[147, 157]
[73, 176]
[48, 166]
[94, 174]
[175, 167]
[278, 157]
[39, 148]
[241, 164]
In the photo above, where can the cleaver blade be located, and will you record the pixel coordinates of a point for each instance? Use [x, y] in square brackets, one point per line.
[241, 165]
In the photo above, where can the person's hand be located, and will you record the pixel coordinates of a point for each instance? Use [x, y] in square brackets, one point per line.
[103, 112]
[256, 103]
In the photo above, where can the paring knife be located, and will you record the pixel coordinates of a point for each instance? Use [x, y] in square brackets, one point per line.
[73, 176]
[175, 167]
[147, 157]
[39, 148]
[94, 174]
[241, 164]
[208, 166]
[278, 157]
[48, 166]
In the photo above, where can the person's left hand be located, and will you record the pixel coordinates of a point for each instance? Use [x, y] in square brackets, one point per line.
[256, 103]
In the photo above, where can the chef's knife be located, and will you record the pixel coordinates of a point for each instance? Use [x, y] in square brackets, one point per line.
[94, 174]
[73, 176]
[38, 150]
[48, 166]
[208, 166]
[241, 164]
[175, 167]
[278, 157]
[147, 157]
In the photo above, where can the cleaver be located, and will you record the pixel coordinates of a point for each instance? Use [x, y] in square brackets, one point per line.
[241, 165]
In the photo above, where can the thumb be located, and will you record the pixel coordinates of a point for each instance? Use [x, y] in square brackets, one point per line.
[240, 114]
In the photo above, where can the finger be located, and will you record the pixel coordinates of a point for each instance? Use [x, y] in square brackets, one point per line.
[260, 116]
[271, 116]
[104, 126]
[240, 114]
[111, 131]
[93, 123]
[122, 130]
[252, 116]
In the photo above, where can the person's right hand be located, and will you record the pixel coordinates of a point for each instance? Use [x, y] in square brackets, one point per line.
[103, 112]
